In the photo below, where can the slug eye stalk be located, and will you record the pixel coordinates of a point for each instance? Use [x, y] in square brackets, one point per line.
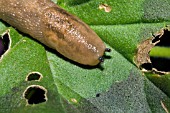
[107, 50]
[101, 59]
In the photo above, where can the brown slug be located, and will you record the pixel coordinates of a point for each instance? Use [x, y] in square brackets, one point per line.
[56, 28]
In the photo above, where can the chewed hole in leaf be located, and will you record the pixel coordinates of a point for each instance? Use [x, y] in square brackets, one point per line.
[147, 66]
[160, 53]
[36, 76]
[106, 7]
[161, 64]
[4, 43]
[164, 40]
[156, 39]
[154, 54]
[98, 95]
[35, 94]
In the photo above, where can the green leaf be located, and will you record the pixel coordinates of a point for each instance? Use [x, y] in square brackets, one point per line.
[117, 85]
[160, 52]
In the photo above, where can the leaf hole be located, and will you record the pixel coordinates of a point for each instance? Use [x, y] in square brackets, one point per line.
[35, 94]
[160, 53]
[34, 76]
[98, 95]
[161, 64]
[5, 43]
[153, 54]
[164, 39]
[147, 66]
[106, 7]
[156, 38]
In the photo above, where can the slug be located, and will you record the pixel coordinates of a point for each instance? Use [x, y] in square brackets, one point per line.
[56, 28]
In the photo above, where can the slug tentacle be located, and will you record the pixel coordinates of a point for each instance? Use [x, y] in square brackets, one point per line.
[107, 50]
[101, 59]
[54, 27]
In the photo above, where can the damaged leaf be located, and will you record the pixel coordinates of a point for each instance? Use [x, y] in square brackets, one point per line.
[154, 53]
[118, 84]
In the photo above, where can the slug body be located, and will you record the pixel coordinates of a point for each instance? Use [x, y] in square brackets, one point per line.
[54, 27]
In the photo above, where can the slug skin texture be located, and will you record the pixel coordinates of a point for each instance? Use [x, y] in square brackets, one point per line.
[54, 27]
